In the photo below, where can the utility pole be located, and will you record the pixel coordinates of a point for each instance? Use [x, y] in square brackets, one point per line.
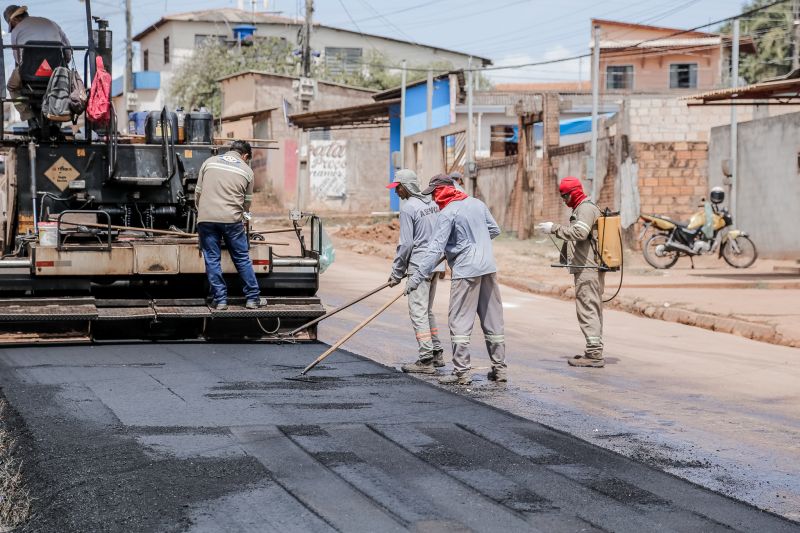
[402, 163]
[734, 160]
[470, 146]
[795, 34]
[307, 39]
[128, 59]
[591, 168]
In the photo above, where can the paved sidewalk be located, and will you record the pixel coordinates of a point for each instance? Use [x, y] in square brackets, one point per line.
[757, 303]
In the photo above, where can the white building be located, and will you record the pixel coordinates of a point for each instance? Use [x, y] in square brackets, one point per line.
[166, 43]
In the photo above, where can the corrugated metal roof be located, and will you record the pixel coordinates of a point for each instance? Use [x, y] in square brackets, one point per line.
[779, 89]
[364, 115]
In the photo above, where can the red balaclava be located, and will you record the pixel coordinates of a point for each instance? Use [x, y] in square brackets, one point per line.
[446, 194]
[572, 186]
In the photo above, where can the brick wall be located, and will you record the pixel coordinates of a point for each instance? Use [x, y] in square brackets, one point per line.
[673, 177]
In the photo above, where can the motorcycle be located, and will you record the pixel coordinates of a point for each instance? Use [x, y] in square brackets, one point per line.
[709, 231]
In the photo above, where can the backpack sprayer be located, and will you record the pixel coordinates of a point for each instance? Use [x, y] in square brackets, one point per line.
[607, 247]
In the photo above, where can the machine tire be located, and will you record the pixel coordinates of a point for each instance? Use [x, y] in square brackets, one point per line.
[743, 259]
[649, 252]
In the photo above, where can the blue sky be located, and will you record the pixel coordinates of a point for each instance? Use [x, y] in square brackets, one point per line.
[507, 31]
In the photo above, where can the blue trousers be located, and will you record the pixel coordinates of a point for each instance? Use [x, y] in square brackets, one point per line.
[235, 237]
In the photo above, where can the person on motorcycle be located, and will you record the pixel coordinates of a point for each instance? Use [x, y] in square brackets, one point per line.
[589, 282]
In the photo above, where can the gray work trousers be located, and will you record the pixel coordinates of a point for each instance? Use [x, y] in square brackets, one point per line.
[469, 296]
[14, 87]
[420, 310]
[589, 285]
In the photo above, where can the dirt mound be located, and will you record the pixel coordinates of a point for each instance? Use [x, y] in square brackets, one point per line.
[384, 233]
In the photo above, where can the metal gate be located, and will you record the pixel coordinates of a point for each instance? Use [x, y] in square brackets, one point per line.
[455, 149]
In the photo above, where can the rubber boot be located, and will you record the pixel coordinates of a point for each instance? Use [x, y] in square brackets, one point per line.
[419, 367]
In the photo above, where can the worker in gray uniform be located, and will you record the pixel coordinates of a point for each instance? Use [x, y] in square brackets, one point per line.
[418, 216]
[464, 232]
[579, 237]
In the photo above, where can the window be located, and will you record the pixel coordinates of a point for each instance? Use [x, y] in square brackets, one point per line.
[342, 60]
[619, 77]
[683, 76]
[323, 134]
[201, 39]
[146, 60]
[166, 50]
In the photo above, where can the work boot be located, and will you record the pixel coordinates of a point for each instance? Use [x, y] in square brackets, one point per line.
[438, 358]
[219, 306]
[456, 379]
[498, 374]
[585, 361]
[419, 367]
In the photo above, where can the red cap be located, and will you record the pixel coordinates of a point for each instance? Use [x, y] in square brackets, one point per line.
[393, 185]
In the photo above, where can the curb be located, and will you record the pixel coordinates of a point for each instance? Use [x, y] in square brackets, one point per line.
[636, 306]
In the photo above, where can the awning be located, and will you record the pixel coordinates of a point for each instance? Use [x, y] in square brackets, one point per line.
[248, 114]
[784, 91]
[371, 115]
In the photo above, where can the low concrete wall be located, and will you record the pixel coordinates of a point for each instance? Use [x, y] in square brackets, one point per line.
[769, 181]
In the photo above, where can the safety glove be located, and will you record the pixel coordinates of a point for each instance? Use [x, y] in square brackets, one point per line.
[545, 227]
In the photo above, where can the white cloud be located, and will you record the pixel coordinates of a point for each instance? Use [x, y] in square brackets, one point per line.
[564, 70]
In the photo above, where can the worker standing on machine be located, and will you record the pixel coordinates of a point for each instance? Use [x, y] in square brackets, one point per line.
[464, 232]
[24, 29]
[223, 194]
[589, 278]
[418, 216]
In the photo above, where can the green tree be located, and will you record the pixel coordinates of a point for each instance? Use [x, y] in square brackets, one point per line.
[771, 30]
[196, 82]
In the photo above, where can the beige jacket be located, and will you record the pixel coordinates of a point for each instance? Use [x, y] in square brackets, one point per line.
[579, 236]
[224, 189]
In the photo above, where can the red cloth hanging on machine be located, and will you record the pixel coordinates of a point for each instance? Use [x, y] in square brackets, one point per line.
[99, 109]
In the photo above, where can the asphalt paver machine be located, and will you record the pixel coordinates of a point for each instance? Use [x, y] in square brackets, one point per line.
[97, 234]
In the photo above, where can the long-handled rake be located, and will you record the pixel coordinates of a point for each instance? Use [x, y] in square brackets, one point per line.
[331, 313]
[334, 347]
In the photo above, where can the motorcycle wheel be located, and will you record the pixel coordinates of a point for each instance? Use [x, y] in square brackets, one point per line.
[739, 252]
[667, 259]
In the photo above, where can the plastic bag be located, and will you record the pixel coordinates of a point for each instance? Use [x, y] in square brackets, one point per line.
[327, 253]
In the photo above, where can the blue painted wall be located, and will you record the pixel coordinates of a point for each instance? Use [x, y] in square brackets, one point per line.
[416, 120]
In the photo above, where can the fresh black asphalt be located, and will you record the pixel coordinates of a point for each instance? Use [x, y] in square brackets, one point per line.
[212, 438]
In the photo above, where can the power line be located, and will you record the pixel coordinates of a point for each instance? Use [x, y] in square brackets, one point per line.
[344, 7]
[636, 45]
[581, 35]
[405, 9]
[389, 22]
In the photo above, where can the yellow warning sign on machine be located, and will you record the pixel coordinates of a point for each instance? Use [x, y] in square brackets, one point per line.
[61, 173]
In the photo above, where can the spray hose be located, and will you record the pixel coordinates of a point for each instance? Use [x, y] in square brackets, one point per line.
[602, 267]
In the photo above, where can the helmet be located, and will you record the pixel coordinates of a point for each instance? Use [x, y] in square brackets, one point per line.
[717, 195]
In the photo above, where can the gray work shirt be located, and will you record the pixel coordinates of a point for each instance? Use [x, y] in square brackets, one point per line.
[417, 222]
[464, 232]
[36, 29]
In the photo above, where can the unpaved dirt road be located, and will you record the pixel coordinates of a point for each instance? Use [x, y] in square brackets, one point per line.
[717, 409]
[212, 438]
